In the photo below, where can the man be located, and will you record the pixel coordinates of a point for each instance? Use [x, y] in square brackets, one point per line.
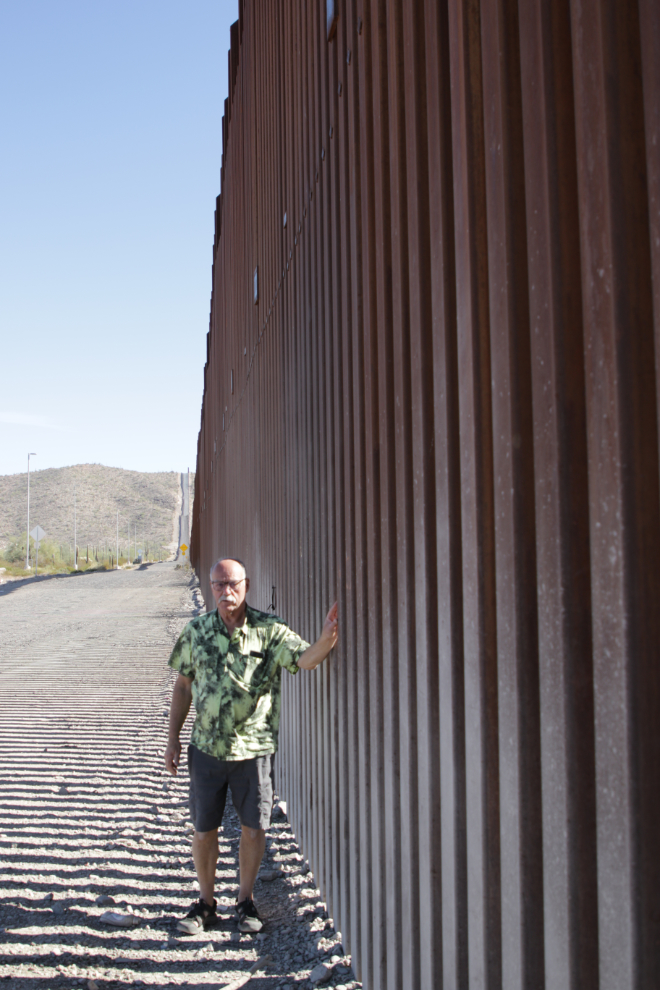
[229, 663]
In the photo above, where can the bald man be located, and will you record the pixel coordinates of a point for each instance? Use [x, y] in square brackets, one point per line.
[229, 664]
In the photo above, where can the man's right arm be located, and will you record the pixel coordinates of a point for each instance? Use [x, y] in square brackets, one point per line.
[181, 700]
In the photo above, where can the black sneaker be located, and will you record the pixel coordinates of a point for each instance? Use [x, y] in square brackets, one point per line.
[199, 917]
[248, 916]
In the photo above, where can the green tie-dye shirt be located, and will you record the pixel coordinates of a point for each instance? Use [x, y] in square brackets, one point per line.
[236, 682]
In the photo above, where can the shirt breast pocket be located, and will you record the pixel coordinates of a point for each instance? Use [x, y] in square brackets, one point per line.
[245, 669]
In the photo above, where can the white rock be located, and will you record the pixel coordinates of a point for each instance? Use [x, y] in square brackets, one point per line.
[118, 920]
[261, 963]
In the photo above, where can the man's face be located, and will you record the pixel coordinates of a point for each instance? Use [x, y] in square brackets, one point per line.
[230, 587]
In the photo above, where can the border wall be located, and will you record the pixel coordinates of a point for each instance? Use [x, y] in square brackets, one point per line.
[431, 392]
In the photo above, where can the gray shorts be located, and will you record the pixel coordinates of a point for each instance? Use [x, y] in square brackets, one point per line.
[250, 782]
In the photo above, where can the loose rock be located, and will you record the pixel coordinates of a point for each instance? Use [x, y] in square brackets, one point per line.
[320, 974]
[104, 899]
[270, 875]
[261, 963]
[118, 920]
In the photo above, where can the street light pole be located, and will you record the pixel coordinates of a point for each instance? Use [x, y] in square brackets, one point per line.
[27, 536]
[75, 532]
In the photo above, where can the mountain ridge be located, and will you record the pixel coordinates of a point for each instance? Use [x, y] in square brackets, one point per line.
[150, 501]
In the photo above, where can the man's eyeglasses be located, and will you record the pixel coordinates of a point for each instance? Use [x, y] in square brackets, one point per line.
[219, 585]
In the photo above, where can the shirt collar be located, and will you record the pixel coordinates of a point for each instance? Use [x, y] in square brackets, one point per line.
[249, 621]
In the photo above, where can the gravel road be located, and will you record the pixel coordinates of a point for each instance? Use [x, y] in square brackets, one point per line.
[92, 823]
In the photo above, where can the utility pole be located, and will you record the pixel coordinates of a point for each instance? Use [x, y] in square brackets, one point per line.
[75, 532]
[117, 539]
[27, 532]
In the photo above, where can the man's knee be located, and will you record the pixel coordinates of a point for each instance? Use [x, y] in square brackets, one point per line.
[206, 838]
[253, 834]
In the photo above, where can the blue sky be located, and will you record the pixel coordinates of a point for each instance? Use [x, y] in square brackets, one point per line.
[110, 124]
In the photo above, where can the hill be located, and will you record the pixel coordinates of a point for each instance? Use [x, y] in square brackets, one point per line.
[149, 501]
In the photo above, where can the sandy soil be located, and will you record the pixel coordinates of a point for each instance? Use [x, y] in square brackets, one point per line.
[89, 814]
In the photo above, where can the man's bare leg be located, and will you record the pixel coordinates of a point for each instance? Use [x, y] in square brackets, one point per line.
[250, 854]
[205, 858]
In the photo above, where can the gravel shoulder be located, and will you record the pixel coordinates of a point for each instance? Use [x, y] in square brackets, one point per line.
[92, 823]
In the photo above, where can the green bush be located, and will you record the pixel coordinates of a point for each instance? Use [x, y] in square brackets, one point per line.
[15, 552]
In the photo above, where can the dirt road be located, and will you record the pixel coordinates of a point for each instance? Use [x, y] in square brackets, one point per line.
[88, 812]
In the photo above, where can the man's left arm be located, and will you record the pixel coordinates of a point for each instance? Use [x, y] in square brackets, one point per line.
[318, 651]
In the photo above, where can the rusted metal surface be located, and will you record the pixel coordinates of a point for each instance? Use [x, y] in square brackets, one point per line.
[442, 411]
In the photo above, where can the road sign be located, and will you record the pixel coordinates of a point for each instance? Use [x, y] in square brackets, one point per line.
[184, 547]
[37, 534]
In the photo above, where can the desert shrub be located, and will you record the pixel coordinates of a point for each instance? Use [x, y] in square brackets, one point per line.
[15, 552]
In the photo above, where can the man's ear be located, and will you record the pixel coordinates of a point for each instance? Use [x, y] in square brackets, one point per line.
[247, 585]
